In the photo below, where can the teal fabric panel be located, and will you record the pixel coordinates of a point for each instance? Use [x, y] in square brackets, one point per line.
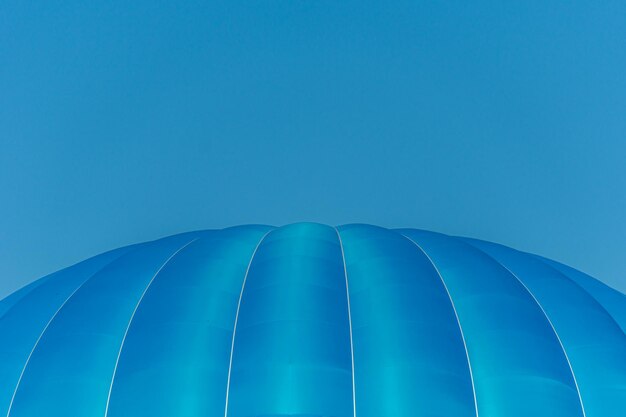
[518, 365]
[70, 371]
[594, 342]
[409, 356]
[174, 361]
[292, 353]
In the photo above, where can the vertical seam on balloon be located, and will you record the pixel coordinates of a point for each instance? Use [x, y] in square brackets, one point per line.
[456, 315]
[132, 316]
[232, 343]
[345, 273]
[56, 313]
[594, 300]
[562, 269]
[580, 399]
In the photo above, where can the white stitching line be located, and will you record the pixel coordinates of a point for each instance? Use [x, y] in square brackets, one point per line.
[469, 365]
[119, 353]
[19, 381]
[232, 344]
[345, 272]
[548, 263]
[37, 343]
[547, 318]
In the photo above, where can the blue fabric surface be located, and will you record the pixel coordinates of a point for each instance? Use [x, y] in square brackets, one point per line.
[313, 320]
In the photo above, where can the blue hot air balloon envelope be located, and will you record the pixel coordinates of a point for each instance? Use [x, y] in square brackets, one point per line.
[312, 320]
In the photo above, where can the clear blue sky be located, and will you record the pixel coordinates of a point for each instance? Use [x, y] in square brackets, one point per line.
[126, 121]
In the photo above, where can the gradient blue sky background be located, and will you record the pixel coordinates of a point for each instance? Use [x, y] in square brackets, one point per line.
[126, 121]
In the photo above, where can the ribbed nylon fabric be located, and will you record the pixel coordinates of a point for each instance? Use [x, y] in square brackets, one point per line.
[310, 320]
